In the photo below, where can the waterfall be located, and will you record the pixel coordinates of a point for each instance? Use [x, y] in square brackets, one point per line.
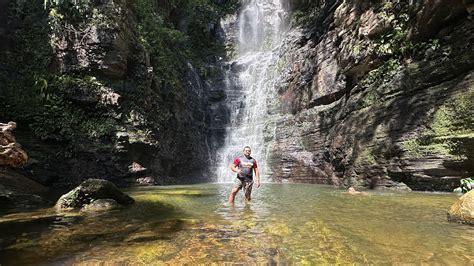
[250, 82]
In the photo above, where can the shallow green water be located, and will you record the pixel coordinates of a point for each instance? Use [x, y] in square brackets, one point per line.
[285, 223]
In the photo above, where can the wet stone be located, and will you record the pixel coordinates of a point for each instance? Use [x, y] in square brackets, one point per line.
[101, 205]
[271, 251]
[91, 190]
[252, 253]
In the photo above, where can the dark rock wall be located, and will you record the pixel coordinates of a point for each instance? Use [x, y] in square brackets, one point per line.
[99, 70]
[366, 79]
[3, 23]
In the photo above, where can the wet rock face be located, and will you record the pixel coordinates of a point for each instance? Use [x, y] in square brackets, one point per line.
[99, 47]
[90, 191]
[434, 15]
[108, 77]
[462, 211]
[11, 153]
[350, 106]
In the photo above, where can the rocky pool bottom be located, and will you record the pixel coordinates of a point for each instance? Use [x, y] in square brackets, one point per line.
[285, 223]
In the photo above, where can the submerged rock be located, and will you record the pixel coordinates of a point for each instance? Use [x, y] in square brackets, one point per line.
[91, 190]
[462, 211]
[16, 201]
[101, 205]
[18, 192]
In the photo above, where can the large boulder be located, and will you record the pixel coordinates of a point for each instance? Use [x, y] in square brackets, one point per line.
[462, 211]
[89, 191]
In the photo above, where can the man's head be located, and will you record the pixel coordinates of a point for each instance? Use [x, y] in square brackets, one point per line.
[247, 151]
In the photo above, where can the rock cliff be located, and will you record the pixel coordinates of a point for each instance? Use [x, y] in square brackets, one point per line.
[377, 94]
[371, 93]
[99, 86]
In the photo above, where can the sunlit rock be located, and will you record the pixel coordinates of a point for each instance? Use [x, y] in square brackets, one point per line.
[136, 168]
[462, 211]
[146, 181]
[11, 153]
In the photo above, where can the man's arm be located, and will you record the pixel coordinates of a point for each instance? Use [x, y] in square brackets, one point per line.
[234, 168]
[257, 176]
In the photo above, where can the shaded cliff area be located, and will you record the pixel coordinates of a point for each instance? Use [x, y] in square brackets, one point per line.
[377, 94]
[111, 89]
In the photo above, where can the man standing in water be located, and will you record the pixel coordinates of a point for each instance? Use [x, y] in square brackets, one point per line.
[244, 167]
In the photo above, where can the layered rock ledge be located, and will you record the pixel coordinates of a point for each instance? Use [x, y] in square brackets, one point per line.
[376, 94]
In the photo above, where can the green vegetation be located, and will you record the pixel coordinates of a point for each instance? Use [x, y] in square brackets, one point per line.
[179, 31]
[466, 184]
[302, 18]
[394, 43]
[456, 116]
[451, 131]
[365, 157]
[306, 13]
[168, 47]
[393, 49]
[40, 98]
[67, 107]
[374, 79]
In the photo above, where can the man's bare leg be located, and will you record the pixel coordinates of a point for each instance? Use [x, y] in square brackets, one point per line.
[247, 199]
[248, 191]
[233, 193]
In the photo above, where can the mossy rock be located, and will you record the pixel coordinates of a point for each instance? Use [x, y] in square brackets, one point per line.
[91, 190]
[462, 211]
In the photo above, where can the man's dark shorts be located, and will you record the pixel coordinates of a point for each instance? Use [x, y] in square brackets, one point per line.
[246, 184]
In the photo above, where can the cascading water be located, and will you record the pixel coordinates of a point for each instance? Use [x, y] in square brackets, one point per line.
[250, 82]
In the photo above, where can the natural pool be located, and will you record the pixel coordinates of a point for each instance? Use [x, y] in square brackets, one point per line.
[285, 223]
